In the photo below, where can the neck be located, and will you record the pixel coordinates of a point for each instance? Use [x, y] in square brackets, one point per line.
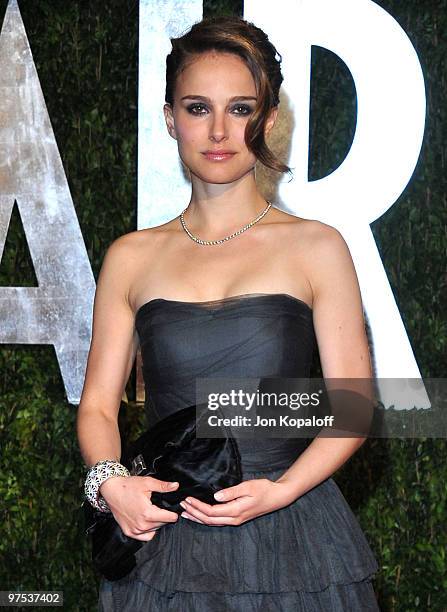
[218, 210]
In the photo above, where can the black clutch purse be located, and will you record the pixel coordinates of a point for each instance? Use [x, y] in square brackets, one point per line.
[168, 451]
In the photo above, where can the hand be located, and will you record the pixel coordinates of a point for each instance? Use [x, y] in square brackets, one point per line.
[243, 502]
[128, 497]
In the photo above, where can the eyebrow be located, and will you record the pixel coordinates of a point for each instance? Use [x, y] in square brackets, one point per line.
[205, 99]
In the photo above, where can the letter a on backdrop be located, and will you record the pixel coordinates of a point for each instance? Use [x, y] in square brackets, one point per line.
[59, 310]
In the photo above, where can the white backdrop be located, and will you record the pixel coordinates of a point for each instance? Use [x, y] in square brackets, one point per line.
[388, 137]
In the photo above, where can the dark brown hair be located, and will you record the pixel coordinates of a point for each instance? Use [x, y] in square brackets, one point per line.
[251, 44]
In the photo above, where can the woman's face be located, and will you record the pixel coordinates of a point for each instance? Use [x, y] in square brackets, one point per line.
[214, 97]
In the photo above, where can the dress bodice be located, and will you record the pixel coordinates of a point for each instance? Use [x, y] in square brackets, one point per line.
[251, 335]
[241, 337]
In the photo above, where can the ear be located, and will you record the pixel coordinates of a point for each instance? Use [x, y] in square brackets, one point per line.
[271, 120]
[169, 118]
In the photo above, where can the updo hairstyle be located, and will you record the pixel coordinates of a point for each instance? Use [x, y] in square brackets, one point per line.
[251, 44]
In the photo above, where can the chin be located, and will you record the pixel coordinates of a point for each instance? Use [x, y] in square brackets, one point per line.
[220, 176]
[220, 180]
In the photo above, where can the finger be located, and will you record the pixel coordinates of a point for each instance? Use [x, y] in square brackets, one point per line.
[161, 486]
[145, 537]
[195, 515]
[154, 527]
[231, 508]
[229, 493]
[160, 514]
[211, 519]
[144, 525]
[190, 517]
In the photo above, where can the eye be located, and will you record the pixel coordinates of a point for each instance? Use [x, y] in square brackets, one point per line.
[242, 109]
[197, 109]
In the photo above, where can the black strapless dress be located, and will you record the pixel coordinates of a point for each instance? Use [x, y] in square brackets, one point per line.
[310, 556]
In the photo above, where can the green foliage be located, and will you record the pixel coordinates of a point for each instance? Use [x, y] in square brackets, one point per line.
[397, 489]
[214, 8]
[86, 56]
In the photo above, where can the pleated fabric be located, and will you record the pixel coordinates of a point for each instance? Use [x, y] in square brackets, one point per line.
[349, 598]
[311, 555]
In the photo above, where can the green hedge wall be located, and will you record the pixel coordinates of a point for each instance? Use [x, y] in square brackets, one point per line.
[86, 57]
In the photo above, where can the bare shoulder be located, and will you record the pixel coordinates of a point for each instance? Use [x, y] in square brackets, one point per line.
[330, 266]
[319, 250]
[316, 237]
[327, 249]
[294, 222]
[131, 246]
[125, 258]
[323, 239]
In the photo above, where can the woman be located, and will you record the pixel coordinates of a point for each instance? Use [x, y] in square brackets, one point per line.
[234, 287]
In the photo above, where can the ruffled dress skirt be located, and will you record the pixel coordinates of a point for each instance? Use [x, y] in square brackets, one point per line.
[310, 556]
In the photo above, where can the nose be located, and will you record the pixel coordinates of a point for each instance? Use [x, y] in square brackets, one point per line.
[218, 127]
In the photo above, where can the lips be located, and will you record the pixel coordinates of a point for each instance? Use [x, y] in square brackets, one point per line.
[218, 155]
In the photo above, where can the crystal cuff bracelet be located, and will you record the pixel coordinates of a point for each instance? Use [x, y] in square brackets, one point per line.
[96, 475]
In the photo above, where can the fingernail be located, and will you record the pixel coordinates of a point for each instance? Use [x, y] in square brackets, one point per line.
[173, 484]
[219, 496]
[183, 505]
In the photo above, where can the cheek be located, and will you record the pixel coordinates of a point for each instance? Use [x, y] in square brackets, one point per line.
[185, 134]
[239, 134]
[189, 130]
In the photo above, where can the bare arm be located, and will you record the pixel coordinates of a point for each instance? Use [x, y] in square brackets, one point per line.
[344, 353]
[112, 353]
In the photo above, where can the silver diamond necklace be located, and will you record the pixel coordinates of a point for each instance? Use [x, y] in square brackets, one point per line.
[233, 235]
